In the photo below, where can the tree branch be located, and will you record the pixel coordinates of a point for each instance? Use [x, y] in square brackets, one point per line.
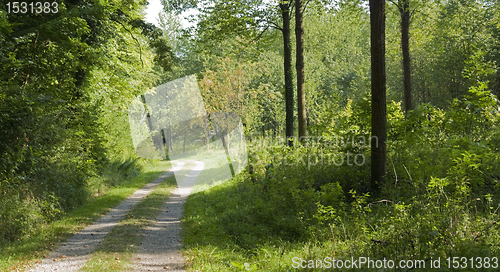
[131, 34]
[273, 25]
[412, 12]
[397, 4]
[291, 5]
[380, 242]
[260, 34]
[305, 6]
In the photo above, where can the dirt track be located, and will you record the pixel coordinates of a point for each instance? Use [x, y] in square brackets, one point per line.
[161, 244]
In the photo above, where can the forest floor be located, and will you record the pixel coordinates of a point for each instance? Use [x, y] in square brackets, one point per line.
[158, 241]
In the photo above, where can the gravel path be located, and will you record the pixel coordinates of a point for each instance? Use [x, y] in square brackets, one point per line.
[74, 253]
[161, 244]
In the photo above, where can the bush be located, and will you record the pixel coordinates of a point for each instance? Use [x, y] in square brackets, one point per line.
[20, 213]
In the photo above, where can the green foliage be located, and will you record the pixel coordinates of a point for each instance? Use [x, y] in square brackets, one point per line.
[337, 66]
[21, 214]
[66, 81]
[475, 114]
[440, 199]
[41, 237]
[448, 40]
[289, 208]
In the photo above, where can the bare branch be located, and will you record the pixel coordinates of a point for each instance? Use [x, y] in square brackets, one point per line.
[396, 174]
[305, 5]
[380, 242]
[397, 4]
[412, 12]
[261, 33]
[408, 172]
[273, 25]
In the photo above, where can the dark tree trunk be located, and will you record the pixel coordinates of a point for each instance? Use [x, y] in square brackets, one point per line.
[225, 144]
[169, 138]
[184, 145]
[299, 65]
[148, 116]
[378, 92]
[164, 141]
[287, 65]
[404, 9]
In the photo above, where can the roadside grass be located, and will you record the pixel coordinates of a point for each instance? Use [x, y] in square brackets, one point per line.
[268, 257]
[213, 245]
[209, 246]
[277, 221]
[115, 252]
[31, 248]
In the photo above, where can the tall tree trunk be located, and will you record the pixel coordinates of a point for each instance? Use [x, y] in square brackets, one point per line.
[299, 65]
[184, 144]
[404, 9]
[378, 92]
[164, 142]
[287, 65]
[225, 144]
[169, 138]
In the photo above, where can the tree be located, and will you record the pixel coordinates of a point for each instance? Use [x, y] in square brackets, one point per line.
[250, 18]
[453, 32]
[405, 48]
[285, 7]
[338, 63]
[299, 65]
[65, 81]
[378, 93]
[404, 11]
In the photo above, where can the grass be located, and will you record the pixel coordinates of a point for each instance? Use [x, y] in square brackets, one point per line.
[214, 244]
[31, 248]
[281, 215]
[115, 252]
[211, 244]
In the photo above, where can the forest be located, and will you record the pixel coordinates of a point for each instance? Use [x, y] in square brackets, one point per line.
[372, 127]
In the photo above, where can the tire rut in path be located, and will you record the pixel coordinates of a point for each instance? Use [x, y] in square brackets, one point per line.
[75, 252]
[162, 241]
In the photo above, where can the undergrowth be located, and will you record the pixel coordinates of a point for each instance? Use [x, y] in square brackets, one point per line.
[294, 206]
